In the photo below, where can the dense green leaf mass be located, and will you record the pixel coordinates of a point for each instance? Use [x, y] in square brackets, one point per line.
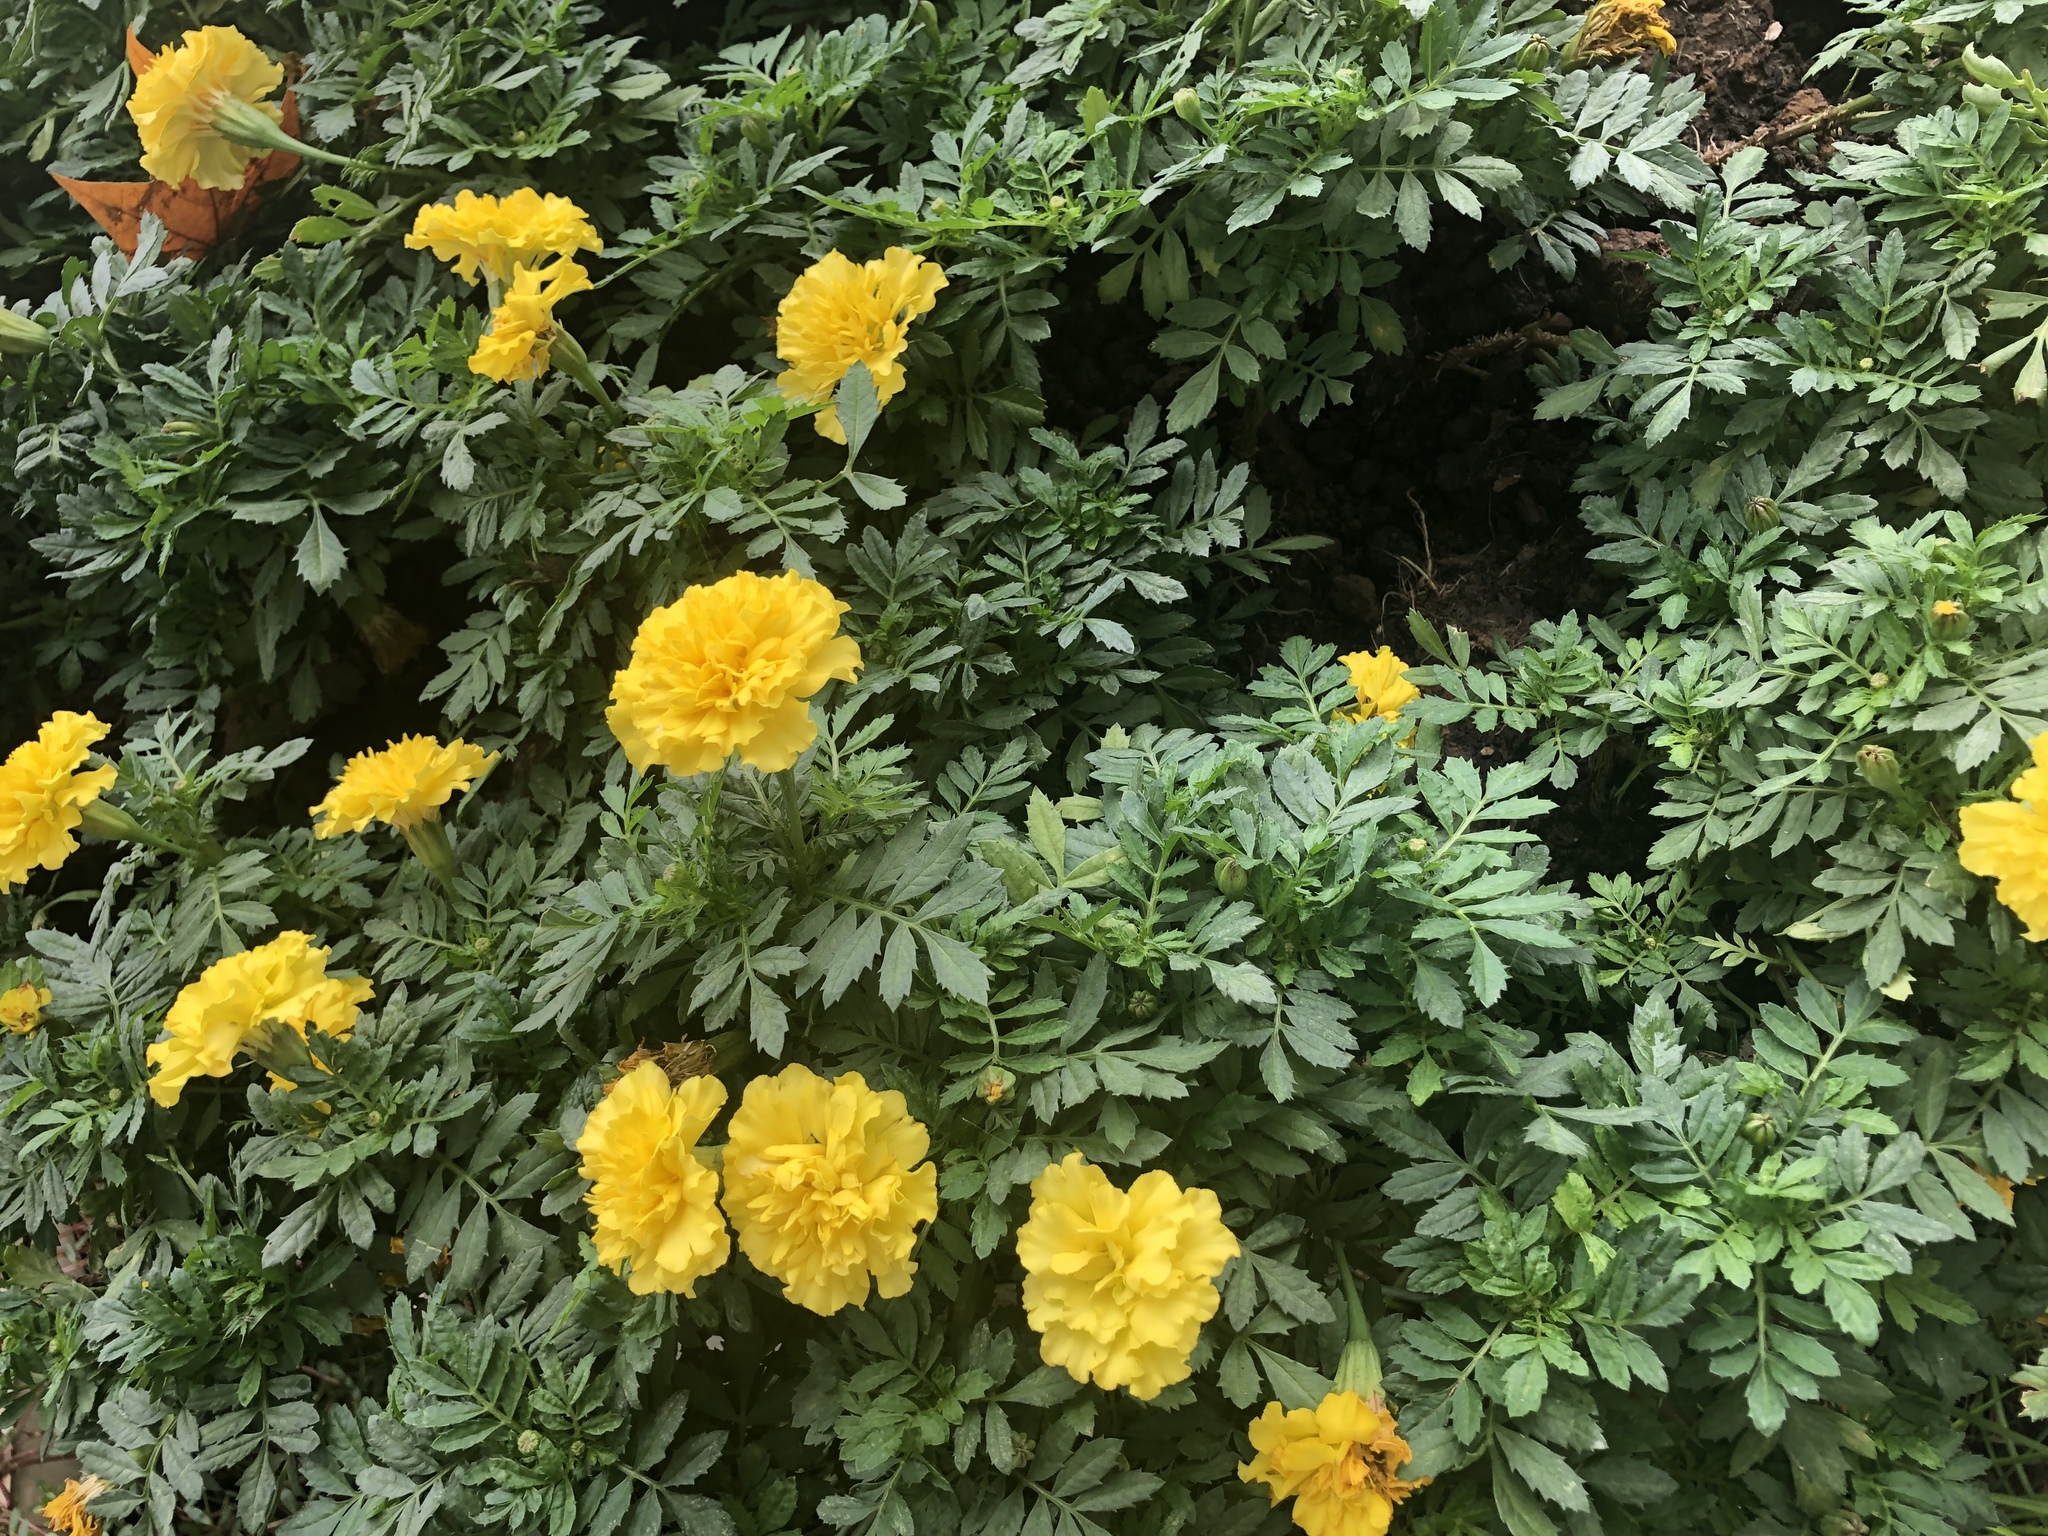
[1672, 1192]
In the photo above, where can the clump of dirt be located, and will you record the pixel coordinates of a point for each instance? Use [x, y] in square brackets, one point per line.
[1751, 57]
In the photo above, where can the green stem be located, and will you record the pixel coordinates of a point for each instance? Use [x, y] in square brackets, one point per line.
[793, 809]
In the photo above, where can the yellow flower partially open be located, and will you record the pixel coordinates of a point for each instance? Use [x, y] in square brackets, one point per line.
[491, 237]
[727, 668]
[523, 332]
[1117, 1283]
[175, 102]
[1382, 690]
[825, 1184]
[403, 785]
[1336, 1461]
[21, 1008]
[43, 795]
[838, 314]
[66, 1510]
[2007, 841]
[655, 1200]
[282, 982]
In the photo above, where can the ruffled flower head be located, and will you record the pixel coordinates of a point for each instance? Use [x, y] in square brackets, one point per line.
[825, 1185]
[282, 982]
[403, 785]
[43, 794]
[2007, 841]
[491, 237]
[655, 1201]
[1382, 690]
[66, 1510]
[21, 1008]
[523, 333]
[1337, 1462]
[1118, 1284]
[727, 668]
[838, 314]
[175, 103]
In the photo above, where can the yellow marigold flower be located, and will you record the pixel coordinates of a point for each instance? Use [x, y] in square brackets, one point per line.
[492, 237]
[1616, 27]
[1382, 690]
[21, 1008]
[655, 1201]
[838, 314]
[727, 668]
[824, 1184]
[175, 102]
[403, 785]
[1336, 1461]
[66, 1510]
[2008, 842]
[282, 982]
[43, 795]
[1118, 1284]
[523, 332]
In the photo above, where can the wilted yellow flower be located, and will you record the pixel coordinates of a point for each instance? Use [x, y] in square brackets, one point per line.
[403, 785]
[21, 1008]
[1382, 690]
[1118, 1284]
[43, 795]
[2008, 842]
[523, 325]
[66, 1510]
[824, 1184]
[1616, 27]
[655, 1201]
[727, 668]
[838, 314]
[1337, 1462]
[492, 237]
[282, 982]
[175, 103]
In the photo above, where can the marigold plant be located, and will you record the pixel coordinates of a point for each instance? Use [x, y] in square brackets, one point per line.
[653, 1196]
[2007, 841]
[401, 786]
[728, 668]
[826, 1185]
[1119, 1282]
[1383, 690]
[21, 1008]
[839, 313]
[523, 332]
[45, 788]
[177, 101]
[1337, 1461]
[282, 982]
[490, 238]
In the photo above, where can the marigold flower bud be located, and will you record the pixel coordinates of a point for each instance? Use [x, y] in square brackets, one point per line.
[1142, 1005]
[1880, 768]
[1761, 514]
[1949, 620]
[21, 336]
[996, 1084]
[1187, 106]
[1535, 54]
[1231, 879]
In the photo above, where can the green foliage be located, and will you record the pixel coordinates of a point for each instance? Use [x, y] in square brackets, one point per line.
[1672, 1190]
